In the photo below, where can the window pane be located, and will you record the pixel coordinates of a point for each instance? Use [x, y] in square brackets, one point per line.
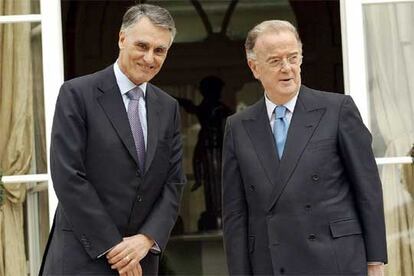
[19, 7]
[22, 119]
[38, 100]
[390, 60]
[36, 223]
[398, 189]
[390, 63]
[22, 141]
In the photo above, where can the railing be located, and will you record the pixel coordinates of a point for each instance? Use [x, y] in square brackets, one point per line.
[4, 19]
[30, 178]
[25, 178]
[394, 160]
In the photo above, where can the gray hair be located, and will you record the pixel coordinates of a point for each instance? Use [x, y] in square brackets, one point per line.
[276, 26]
[158, 16]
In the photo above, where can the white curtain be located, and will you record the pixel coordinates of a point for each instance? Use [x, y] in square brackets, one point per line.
[389, 35]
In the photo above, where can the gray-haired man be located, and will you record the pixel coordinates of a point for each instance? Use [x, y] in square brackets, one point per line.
[116, 159]
[301, 191]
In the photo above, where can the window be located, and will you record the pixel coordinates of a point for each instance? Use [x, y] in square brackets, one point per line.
[380, 63]
[31, 71]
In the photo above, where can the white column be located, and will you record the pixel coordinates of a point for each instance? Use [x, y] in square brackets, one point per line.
[353, 53]
[52, 50]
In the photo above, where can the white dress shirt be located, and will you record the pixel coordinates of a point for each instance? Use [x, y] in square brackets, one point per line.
[125, 85]
[270, 106]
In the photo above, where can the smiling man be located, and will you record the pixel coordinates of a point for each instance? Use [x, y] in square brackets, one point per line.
[116, 159]
[301, 191]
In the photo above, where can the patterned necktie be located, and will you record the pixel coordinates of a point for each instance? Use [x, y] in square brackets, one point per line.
[133, 115]
[280, 128]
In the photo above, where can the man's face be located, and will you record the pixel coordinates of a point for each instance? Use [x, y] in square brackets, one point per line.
[143, 49]
[277, 65]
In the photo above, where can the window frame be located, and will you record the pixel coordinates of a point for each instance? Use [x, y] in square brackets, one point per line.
[355, 65]
[53, 76]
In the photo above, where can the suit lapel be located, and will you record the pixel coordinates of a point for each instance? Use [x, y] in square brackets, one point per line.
[111, 101]
[153, 122]
[261, 137]
[305, 120]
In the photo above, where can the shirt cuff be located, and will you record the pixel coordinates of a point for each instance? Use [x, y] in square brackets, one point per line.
[105, 252]
[375, 263]
[155, 248]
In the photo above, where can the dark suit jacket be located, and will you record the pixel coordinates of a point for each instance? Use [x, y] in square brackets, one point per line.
[319, 210]
[103, 196]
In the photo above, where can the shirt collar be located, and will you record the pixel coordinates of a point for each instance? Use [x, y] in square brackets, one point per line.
[124, 84]
[290, 105]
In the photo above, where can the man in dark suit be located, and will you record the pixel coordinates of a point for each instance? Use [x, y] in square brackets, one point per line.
[301, 191]
[116, 159]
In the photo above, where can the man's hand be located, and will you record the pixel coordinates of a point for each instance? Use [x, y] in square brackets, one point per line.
[136, 271]
[376, 270]
[126, 255]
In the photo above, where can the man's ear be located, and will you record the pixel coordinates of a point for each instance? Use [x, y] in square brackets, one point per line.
[121, 40]
[253, 66]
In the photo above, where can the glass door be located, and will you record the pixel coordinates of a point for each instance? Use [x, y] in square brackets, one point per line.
[31, 71]
[380, 51]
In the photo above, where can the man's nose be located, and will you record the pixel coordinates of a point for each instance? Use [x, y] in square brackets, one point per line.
[149, 57]
[285, 65]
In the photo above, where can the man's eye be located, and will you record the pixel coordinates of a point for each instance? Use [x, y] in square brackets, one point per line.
[293, 58]
[160, 51]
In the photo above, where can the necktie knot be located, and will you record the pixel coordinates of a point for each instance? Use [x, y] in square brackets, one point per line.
[280, 111]
[135, 94]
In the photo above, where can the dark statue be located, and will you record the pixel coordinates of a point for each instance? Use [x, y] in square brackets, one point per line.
[211, 114]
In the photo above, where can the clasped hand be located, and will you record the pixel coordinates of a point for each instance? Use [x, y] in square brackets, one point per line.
[126, 256]
[376, 270]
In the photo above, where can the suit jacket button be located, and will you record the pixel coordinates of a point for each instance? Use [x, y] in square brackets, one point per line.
[308, 207]
[282, 270]
[315, 177]
[139, 198]
[312, 237]
[251, 188]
